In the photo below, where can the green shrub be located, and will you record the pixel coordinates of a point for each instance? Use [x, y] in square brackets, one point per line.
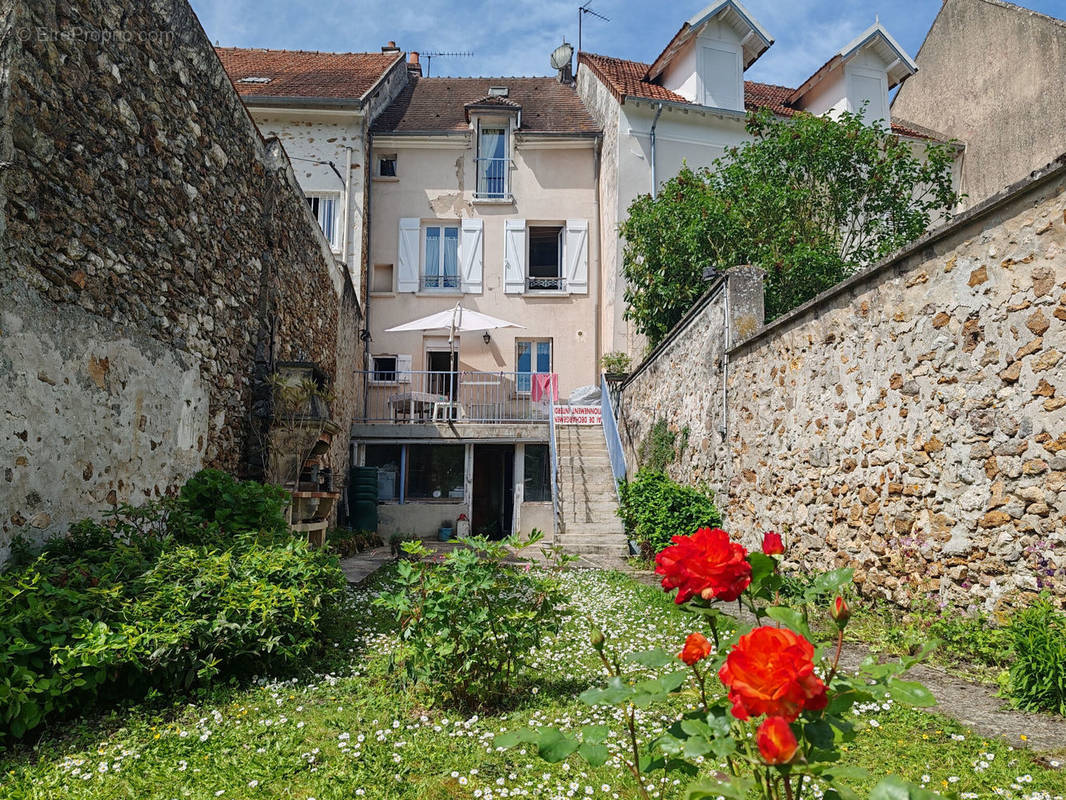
[158, 597]
[655, 508]
[658, 450]
[1038, 671]
[215, 497]
[470, 621]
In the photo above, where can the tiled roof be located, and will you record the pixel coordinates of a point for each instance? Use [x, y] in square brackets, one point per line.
[439, 105]
[626, 79]
[303, 73]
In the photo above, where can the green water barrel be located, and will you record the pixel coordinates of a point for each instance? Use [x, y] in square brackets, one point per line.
[363, 498]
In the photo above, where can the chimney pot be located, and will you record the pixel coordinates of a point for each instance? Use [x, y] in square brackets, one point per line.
[414, 56]
[390, 47]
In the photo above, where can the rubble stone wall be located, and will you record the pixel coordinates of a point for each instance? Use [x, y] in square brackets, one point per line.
[153, 246]
[910, 423]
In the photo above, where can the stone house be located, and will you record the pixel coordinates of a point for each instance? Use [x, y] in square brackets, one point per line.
[991, 76]
[689, 105]
[484, 192]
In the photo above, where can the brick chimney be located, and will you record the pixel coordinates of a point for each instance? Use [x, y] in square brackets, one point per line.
[390, 47]
[413, 66]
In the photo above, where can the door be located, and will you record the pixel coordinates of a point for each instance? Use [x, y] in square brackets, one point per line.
[441, 376]
[493, 490]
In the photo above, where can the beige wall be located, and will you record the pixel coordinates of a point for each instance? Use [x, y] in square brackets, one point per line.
[991, 75]
[552, 181]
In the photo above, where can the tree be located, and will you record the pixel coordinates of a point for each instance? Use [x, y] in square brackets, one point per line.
[809, 199]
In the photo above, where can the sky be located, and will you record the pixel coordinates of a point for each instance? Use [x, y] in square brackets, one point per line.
[516, 37]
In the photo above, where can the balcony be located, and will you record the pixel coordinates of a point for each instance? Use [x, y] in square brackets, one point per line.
[492, 179]
[555, 284]
[425, 397]
[434, 283]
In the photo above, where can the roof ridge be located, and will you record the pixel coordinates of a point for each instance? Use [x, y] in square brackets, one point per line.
[391, 54]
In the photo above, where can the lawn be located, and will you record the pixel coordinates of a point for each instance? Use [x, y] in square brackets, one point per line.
[355, 729]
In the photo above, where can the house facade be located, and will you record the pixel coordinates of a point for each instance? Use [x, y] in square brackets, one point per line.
[483, 195]
[320, 106]
[689, 106]
[1007, 110]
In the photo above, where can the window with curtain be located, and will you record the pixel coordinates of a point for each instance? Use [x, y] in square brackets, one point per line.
[534, 357]
[441, 269]
[324, 207]
[492, 163]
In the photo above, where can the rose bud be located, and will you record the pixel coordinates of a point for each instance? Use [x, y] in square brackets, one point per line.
[840, 612]
[777, 744]
[772, 544]
[697, 648]
[597, 639]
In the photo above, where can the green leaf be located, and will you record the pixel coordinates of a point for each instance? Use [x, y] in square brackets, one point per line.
[594, 734]
[910, 693]
[762, 566]
[790, 618]
[595, 754]
[895, 788]
[819, 733]
[653, 659]
[555, 746]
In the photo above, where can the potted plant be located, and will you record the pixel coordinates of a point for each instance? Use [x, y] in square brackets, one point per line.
[616, 366]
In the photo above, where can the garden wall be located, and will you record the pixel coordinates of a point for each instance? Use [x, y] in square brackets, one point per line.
[909, 422]
[156, 256]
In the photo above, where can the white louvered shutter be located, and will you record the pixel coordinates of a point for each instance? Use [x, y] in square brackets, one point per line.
[407, 255]
[470, 249]
[576, 256]
[514, 256]
[403, 369]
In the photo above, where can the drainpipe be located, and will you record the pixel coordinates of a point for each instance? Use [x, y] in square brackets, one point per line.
[596, 261]
[347, 205]
[654, 122]
[365, 227]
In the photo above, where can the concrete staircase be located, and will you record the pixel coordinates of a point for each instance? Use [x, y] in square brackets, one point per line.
[588, 502]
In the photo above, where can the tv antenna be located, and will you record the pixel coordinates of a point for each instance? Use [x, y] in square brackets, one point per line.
[449, 54]
[582, 10]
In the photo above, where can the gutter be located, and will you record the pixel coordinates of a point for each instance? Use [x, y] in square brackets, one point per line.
[257, 100]
[654, 123]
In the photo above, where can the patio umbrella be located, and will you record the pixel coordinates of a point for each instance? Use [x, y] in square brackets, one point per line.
[455, 320]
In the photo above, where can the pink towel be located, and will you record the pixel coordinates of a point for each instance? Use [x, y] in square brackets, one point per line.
[543, 382]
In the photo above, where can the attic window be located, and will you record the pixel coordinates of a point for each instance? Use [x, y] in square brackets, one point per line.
[498, 91]
[255, 79]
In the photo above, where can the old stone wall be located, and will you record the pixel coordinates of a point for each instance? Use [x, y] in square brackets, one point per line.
[909, 423]
[154, 247]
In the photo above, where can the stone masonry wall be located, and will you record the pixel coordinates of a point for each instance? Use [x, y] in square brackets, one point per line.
[153, 248]
[910, 423]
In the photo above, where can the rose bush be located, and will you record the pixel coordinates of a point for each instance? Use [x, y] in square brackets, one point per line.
[775, 723]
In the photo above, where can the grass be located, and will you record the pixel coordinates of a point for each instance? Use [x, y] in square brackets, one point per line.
[353, 729]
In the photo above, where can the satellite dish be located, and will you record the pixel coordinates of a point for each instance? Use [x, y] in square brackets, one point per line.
[561, 56]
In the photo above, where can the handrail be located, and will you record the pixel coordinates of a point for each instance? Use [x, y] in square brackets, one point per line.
[553, 453]
[610, 432]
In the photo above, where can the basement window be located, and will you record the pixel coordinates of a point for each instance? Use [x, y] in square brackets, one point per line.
[537, 485]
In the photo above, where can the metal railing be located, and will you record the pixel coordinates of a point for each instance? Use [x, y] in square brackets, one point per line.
[557, 284]
[427, 396]
[440, 281]
[492, 174]
[610, 433]
[553, 454]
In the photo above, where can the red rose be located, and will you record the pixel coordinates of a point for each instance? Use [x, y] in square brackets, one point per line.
[696, 649]
[840, 612]
[771, 671]
[777, 744]
[705, 564]
[772, 544]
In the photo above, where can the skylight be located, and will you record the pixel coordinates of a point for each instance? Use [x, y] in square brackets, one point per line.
[498, 91]
[254, 79]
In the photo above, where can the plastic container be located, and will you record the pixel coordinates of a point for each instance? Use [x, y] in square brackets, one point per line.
[444, 534]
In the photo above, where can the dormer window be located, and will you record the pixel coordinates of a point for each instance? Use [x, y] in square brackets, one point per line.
[493, 163]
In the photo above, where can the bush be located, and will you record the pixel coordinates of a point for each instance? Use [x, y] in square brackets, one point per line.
[655, 508]
[1038, 672]
[114, 609]
[470, 621]
[215, 497]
